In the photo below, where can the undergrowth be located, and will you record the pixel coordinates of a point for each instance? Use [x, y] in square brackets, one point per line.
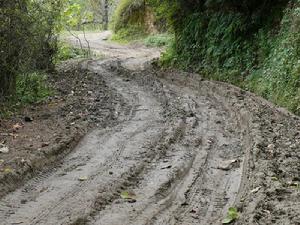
[259, 53]
[130, 33]
[66, 51]
[278, 78]
[128, 13]
[30, 88]
[158, 40]
[33, 87]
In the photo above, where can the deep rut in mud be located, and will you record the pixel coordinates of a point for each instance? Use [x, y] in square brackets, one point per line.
[184, 147]
[167, 151]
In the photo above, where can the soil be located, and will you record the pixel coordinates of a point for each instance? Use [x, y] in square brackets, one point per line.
[57, 125]
[163, 147]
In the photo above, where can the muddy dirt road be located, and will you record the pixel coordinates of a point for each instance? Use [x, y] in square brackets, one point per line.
[185, 149]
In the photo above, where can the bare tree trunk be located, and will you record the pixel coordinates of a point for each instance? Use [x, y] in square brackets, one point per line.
[105, 15]
[75, 36]
[88, 43]
[7, 84]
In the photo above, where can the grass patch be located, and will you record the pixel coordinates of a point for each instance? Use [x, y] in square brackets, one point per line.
[66, 51]
[128, 12]
[30, 88]
[259, 56]
[128, 34]
[159, 40]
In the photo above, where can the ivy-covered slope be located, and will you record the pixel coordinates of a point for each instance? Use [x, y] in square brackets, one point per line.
[134, 19]
[254, 44]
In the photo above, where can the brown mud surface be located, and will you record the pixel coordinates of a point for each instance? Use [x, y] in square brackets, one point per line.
[57, 124]
[184, 148]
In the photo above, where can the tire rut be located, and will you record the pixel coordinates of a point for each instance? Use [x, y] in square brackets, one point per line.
[53, 199]
[171, 189]
[189, 149]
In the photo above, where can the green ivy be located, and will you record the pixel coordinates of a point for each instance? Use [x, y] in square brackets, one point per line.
[255, 45]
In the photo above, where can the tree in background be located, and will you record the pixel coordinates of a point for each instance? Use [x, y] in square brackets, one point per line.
[98, 12]
[13, 15]
[105, 14]
[27, 39]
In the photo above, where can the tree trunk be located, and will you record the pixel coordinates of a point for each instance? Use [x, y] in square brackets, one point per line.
[7, 84]
[105, 15]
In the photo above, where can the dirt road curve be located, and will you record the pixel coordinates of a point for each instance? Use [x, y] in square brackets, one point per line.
[186, 148]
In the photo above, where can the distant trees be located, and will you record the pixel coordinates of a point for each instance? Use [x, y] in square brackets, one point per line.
[97, 11]
[28, 33]
[27, 39]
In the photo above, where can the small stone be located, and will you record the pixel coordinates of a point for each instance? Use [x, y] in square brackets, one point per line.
[4, 149]
[84, 178]
[28, 119]
[193, 211]
[45, 144]
[166, 167]
[255, 190]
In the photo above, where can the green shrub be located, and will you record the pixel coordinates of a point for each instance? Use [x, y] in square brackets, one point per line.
[66, 51]
[278, 79]
[129, 12]
[129, 33]
[258, 49]
[32, 87]
[27, 40]
[159, 40]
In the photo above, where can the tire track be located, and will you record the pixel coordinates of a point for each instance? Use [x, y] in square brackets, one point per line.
[189, 149]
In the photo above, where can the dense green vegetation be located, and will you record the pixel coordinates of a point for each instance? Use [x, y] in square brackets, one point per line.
[29, 43]
[253, 44]
[159, 40]
[66, 51]
[137, 19]
[27, 40]
[129, 20]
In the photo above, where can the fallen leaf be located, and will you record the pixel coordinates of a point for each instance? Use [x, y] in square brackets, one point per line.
[13, 135]
[28, 119]
[45, 144]
[166, 167]
[8, 170]
[193, 211]
[227, 220]
[18, 222]
[17, 126]
[255, 190]
[9, 134]
[231, 216]
[128, 195]
[294, 184]
[83, 178]
[4, 149]
[226, 165]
